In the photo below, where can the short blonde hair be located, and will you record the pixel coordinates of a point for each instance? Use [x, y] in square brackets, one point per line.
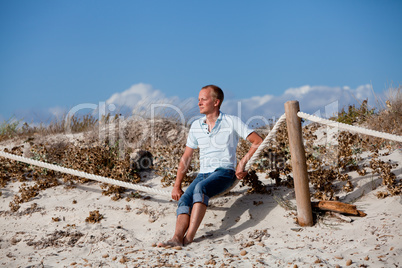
[216, 93]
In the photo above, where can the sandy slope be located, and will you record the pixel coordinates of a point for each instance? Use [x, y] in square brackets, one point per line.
[239, 230]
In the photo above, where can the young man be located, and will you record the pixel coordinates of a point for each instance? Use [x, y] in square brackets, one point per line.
[216, 135]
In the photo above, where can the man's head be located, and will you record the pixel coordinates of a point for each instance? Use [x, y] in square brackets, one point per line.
[216, 93]
[210, 99]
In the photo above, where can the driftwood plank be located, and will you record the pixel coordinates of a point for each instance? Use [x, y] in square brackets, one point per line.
[337, 206]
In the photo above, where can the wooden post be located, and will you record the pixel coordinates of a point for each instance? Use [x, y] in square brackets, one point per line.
[299, 166]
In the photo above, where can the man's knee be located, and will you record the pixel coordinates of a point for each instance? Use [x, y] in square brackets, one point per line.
[200, 198]
[183, 210]
[199, 189]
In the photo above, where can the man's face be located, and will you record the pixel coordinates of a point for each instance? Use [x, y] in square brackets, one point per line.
[206, 102]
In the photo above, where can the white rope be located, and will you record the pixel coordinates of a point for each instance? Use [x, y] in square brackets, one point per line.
[266, 141]
[84, 174]
[258, 152]
[252, 160]
[130, 185]
[361, 130]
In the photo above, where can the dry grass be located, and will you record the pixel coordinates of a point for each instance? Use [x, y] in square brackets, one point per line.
[389, 119]
[8, 129]
[14, 129]
[355, 115]
[165, 139]
[328, 164]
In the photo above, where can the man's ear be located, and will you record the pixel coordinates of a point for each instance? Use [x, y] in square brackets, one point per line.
[217, 102]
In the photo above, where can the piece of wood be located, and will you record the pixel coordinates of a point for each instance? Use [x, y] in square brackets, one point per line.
[339, 216]
[299, 166]
[338, 207]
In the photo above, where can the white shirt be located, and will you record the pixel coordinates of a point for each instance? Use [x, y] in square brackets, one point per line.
[218, 146]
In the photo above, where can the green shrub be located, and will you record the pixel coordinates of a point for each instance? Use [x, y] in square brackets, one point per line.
[9, 129]
[355, 115]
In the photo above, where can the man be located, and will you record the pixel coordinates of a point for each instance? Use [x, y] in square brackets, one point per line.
[216, 135]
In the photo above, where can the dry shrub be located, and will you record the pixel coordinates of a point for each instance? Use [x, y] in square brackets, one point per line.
[15, 171]
[254, 184]
[13, 128]
[166, 143]
[147, 132]
[166, 140]
[274, 161]
[328, 163]
[95, 158]
[94, 217]
[12, 170]
[389, 119]
[8, 129]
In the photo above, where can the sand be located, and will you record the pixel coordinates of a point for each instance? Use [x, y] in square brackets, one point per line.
[239, 229]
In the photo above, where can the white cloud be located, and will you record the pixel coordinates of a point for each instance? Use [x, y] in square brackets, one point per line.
[298, 92]
[136, 94]
[363, 92]
[259, 101]
[312, 99]
[143, 99]
[58, 112]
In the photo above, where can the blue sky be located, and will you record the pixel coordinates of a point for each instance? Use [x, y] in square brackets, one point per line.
[56, 54]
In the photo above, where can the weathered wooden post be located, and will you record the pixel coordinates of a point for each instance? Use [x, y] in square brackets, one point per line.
[299, 166]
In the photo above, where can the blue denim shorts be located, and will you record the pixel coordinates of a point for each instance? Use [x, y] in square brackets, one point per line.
[205, 186]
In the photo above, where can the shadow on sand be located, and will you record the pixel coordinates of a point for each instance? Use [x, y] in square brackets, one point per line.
[246, 212]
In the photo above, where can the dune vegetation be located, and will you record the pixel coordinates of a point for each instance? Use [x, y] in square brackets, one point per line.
[104, 146]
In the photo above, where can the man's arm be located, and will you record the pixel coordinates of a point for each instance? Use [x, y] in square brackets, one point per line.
[256, 140]
[185, 160]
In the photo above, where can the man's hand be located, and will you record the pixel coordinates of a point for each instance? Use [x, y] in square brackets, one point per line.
[241, 175]
[256, 140]
[177, 192]
[185, 160]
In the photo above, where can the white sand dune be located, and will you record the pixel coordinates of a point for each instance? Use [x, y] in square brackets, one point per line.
[239, 230]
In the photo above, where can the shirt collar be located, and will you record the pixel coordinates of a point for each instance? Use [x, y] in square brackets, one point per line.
[204, 119]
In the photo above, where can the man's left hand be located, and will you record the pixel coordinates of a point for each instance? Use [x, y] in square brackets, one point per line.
[241, 174]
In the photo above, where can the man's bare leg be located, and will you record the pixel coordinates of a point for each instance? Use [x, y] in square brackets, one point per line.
[182, 224]
[197, 214]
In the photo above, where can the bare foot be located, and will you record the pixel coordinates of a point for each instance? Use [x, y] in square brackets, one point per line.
[186, 241]
[170, 243]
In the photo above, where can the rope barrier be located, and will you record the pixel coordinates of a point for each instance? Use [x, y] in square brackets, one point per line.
[259, 150]
[84, 174]
[266, 141]
[361, 130]
[131, 185]
[252, 160]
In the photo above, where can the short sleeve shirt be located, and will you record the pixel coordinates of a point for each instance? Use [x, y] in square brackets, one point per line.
[218, 146]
